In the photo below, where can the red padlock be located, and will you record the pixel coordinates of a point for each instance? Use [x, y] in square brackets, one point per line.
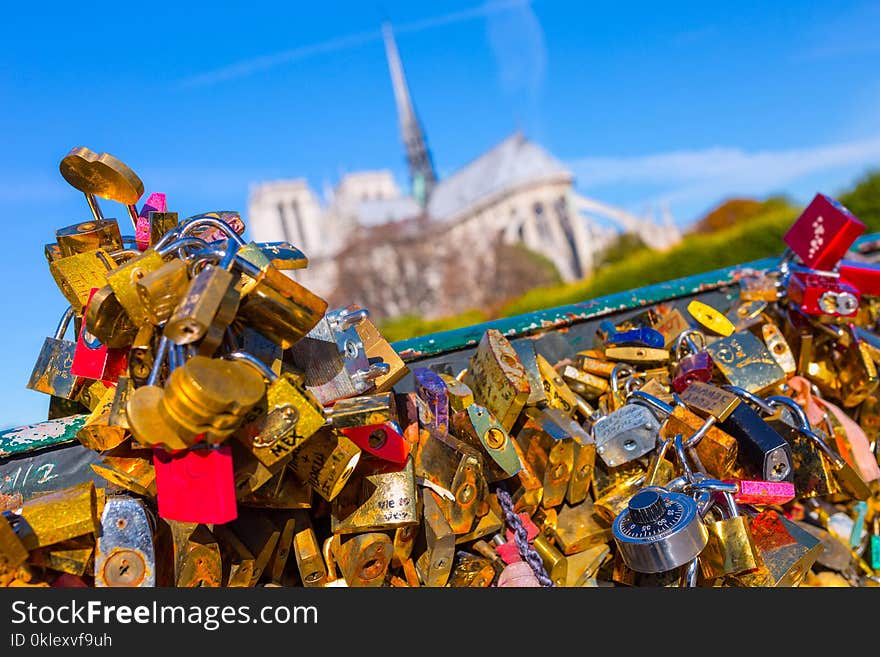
[384, 441]
[196, 484]
[697, 365]
[823, 294]
[823, 233]
[94, 360]
[864, 276]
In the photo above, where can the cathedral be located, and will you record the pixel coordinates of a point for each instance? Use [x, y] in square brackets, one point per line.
[414, 253]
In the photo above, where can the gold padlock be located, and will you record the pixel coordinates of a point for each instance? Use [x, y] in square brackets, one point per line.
[730, 549]
[459, 394]
[325, 461]
[133, 473]
[364, 558]
[434, 564]
[378, 496]
[161, 290]
[787, 551]
[580, 527]
[498, 378]
[97, 433]
[549, 448]
[75, 557]
[60, 515]
[238, 562]
[309, 562]
[77, 274]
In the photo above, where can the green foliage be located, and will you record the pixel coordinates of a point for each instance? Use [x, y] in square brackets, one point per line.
[864, 200]
[624, 246]
[411, 326]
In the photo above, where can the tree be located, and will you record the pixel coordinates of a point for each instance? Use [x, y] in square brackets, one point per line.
[863, 200]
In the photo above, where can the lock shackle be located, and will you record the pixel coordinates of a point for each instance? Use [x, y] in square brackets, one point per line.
[678, 447]
[201, 221]
[799, 414]
[124, 254]
[168, 237]
[649, 400]
[620, 368]
[375, 371]
[329, 560]
[161, 353]
[751, 398]
[684, 339]
[64, 323]
[252, 360]
[179, 244]
[345, 318]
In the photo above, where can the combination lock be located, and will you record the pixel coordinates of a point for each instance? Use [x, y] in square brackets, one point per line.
[659, 530]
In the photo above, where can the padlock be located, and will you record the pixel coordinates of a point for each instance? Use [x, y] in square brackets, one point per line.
[730, 549]
[78, 274]
[578, 528]
[94, 360]
[763, 453]
[716, 450]
[161, 290]
[157, 204]
[582, 566]
[101, 174]
[279, 421]
[548, 447]
[309, 562]
[460, 396]
[74, 557]
[279, 307]
[593, 362]
[857, 372]
[818, 293]
[208, 398]
[333, 359]
[471, 571]
[874, 544]
[285, 521]
[13, 553]
[779, 348]
[642, 336]
[486, 525]
[260, 535]
[823, 232]
[528, 357]
[762, 493]
[659, 530]
[283, 491]
[434, 564]
[237, 561]
[498, 378]
[124, 554]
[106, 320]
[431, 390]
[613, 499]
[378, 496]
[554, 561]
[695, 365]
[642, 356]
[123, 280]
[556, 390]
[584, 383]
[625, 434]
[836, 555]
[747, 314]
[88, 236]
[583, 464]
[477, 427]
[364, 559]
[787, 552]
[379, 351]
[132, 473]
[195, 556]
[248, 474]
[51, 373]
[370, 422]
[58, 516]
[97, 433]
[745, 362]
[196, 485]
[710, 318]
[325, 461]
[847, 478]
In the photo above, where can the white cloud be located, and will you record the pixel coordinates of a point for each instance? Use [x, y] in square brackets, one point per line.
[709, 175]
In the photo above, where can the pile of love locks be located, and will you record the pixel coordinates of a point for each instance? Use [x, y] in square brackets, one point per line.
[250, 436]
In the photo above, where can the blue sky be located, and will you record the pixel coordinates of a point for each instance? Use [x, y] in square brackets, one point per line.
[679, 103]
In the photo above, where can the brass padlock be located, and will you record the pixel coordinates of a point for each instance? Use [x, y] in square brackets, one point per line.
[459, 394]
[476, 426]
[378, 350]
[78, 274]
[498, 378]
[787, 551]
[471, 571]
[746, 363]
[434, 564]
[260, 535]
[88, 236]
[556, 390]
[133, 473]
[554, 560]
[548, 446]
[58, 516]
[378, 496]
[13, 553]
[106, 320]
[97, 433]
[195, 556]
[579, 527]
[161, 290]
[283, 491]
[238, 562]
[74, 557]
[123, 280]
[364, 558]
[325, 461]
[209, 302]
[309, 562]
[528, 356]
[730, 549]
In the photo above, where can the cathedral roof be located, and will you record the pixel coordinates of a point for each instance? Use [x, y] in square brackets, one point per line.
[510, 164]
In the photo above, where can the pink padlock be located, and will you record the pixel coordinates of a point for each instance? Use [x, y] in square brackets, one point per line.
[196, 484]
[381, 440]
[750, 491]
[156, 203]
[94, 360]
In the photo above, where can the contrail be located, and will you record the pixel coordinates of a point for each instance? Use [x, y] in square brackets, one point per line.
[248, 67]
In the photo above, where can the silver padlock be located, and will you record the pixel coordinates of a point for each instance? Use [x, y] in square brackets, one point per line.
[625, 434]
[659, 531]
[124, 554]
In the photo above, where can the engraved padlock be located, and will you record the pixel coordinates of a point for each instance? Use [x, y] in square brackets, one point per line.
[51, 373]
[625, 434]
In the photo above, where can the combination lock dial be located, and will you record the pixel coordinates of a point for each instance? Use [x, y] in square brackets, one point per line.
[659, 530]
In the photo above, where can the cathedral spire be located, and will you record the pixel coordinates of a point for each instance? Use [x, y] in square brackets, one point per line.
[421, 168]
